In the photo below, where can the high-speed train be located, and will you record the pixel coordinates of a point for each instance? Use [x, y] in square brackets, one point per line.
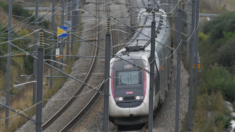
[129, 84]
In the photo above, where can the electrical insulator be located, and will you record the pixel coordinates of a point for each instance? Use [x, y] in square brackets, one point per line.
[108, 26]
[21, 113]
[41, 37]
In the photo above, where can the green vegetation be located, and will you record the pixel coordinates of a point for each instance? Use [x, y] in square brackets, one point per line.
[217, 48]
[18, 10]
[216, 81]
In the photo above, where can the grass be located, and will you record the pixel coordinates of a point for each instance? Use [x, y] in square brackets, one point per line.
[209, 114]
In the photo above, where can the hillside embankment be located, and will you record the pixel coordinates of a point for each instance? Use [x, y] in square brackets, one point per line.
[216, 75]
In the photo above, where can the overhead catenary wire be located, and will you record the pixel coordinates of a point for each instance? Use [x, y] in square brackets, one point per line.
[58, 11]
[171, 28]
[82, 94]
[140, 32]
[84, 40]
[24, 36]
[5, 31]
[59, 70]
[19, 37]
[54, 14]
[38, 17]
[110, 53]
[97, 25]
[22, 111]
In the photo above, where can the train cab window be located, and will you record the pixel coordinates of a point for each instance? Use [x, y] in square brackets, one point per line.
[128, 78]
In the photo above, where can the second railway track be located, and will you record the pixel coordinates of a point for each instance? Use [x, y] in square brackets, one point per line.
[95, 96]
[80, 89]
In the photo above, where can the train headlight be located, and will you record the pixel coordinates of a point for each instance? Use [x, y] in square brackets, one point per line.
[139, 97]
[119, 99]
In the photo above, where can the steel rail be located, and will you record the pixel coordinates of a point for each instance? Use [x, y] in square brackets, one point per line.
[73, 98]
[95, 96]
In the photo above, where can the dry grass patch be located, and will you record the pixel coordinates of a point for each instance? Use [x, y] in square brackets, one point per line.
[210, 114]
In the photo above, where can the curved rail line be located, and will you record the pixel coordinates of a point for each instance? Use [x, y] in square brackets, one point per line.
[95, 96]
[56, 115]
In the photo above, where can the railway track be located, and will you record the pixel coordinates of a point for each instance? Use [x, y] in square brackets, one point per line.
[79, 90]
[80, 113]
[106, 9]
[96, 95]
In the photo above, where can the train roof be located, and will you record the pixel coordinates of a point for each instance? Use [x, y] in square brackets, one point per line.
[137, 48]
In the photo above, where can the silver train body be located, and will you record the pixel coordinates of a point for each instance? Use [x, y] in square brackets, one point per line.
[129, 85]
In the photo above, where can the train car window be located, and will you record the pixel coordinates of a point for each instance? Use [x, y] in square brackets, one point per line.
[128, 78]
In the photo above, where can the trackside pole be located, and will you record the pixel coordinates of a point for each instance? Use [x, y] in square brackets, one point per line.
[179, 50]
[188, 28]
[152, 58]
[62, 41]
[176, 22]
[52, 47]
[106, 84]
[8, 65]
[68, 37]
[35, 49]
[196, 52]
[191, 68]
[40, 70]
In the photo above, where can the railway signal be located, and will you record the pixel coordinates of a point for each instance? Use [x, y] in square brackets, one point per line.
[62, 31]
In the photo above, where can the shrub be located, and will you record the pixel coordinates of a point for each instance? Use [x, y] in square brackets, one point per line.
[225, 55]
[222, 23]
[4, 5]
[218, 79]
[221, 120]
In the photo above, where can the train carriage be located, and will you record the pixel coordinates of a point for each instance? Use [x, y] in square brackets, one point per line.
[129, 85]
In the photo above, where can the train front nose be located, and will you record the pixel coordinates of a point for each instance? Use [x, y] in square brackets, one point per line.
[127, 89]
[129, 97]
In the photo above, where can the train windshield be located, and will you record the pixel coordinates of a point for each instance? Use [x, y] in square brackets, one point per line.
[128, 77]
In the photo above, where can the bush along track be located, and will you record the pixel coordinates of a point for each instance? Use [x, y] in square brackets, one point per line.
[217, 75]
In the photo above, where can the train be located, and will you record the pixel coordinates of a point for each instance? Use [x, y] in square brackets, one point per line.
[129, 84]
